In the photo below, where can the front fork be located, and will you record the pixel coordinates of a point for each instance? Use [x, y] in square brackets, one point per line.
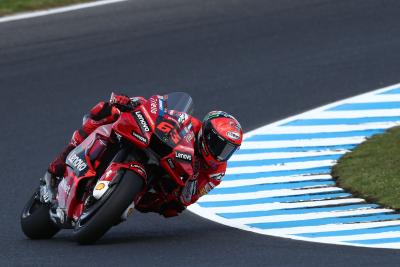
[48, 188]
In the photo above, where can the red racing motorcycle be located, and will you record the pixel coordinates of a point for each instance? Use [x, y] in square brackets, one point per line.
[148, 148]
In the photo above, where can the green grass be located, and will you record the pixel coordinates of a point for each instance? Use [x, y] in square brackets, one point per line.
[372, 170]
[13, 6]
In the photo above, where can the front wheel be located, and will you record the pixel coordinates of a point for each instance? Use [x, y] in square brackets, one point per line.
[97, 220]
[35, 219]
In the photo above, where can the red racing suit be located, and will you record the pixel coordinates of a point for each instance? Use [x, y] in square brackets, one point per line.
[205, 177]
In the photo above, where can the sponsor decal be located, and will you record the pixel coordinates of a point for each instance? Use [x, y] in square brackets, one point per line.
[207, 188]
[189, 137]
[142, 122]
[183, 156]
[161, 104]
[139, 169]
[189, 190]
[77, 162]
[64, 186]
[171, 163]
[168, 129]
[100, 186]
[233, 135]
[217, 176]
[182, 117]
[153, 105]
[140, 138]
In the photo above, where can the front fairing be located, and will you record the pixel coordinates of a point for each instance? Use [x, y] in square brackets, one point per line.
[161, 116]
[163, 125]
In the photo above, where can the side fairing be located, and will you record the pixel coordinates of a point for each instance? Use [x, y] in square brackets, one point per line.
[81, 165]
[85, 157]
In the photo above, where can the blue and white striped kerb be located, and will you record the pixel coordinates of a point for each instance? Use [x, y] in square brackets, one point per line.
[279, 183]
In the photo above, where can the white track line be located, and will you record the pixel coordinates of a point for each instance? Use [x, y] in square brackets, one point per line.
[394, 245]
[52, 11]
[324, 228]
[268, 193]
[308, 216]
[388, 234]
[278, 206]
[330, 227]
[284, 155]
[281, 167]
[288, 205]
[273, 180]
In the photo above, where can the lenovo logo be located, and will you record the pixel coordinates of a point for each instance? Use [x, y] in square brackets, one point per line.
[77, 162]
[183, 156]
[142, 121]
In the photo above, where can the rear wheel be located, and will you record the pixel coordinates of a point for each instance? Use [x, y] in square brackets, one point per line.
[96, 220]
[35, 219]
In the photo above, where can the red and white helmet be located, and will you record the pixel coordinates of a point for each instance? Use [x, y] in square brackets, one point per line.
[220, 136]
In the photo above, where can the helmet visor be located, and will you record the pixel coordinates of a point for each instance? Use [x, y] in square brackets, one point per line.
[220, 148]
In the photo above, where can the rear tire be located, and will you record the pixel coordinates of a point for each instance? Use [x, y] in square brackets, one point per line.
[110, 212]
[35, 220]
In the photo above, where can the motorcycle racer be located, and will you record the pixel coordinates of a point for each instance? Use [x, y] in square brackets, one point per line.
[217, 137]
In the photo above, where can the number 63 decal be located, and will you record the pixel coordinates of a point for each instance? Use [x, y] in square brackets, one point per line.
[169, 129]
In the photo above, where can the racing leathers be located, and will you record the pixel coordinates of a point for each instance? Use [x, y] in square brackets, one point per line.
[204, 179]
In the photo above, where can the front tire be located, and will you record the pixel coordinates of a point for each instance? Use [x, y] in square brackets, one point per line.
[35, 219]
[103, 218]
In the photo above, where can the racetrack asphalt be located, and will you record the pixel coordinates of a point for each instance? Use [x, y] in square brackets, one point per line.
[260, 60]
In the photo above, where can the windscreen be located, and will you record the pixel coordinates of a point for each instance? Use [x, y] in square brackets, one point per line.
[169, 123]
[179, 101]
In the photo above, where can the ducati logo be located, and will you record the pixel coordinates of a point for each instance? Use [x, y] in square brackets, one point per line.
[153, 105]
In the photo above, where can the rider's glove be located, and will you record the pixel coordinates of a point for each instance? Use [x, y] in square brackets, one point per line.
[121, 102]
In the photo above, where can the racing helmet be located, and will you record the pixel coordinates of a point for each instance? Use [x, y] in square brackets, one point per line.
[220, 136]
